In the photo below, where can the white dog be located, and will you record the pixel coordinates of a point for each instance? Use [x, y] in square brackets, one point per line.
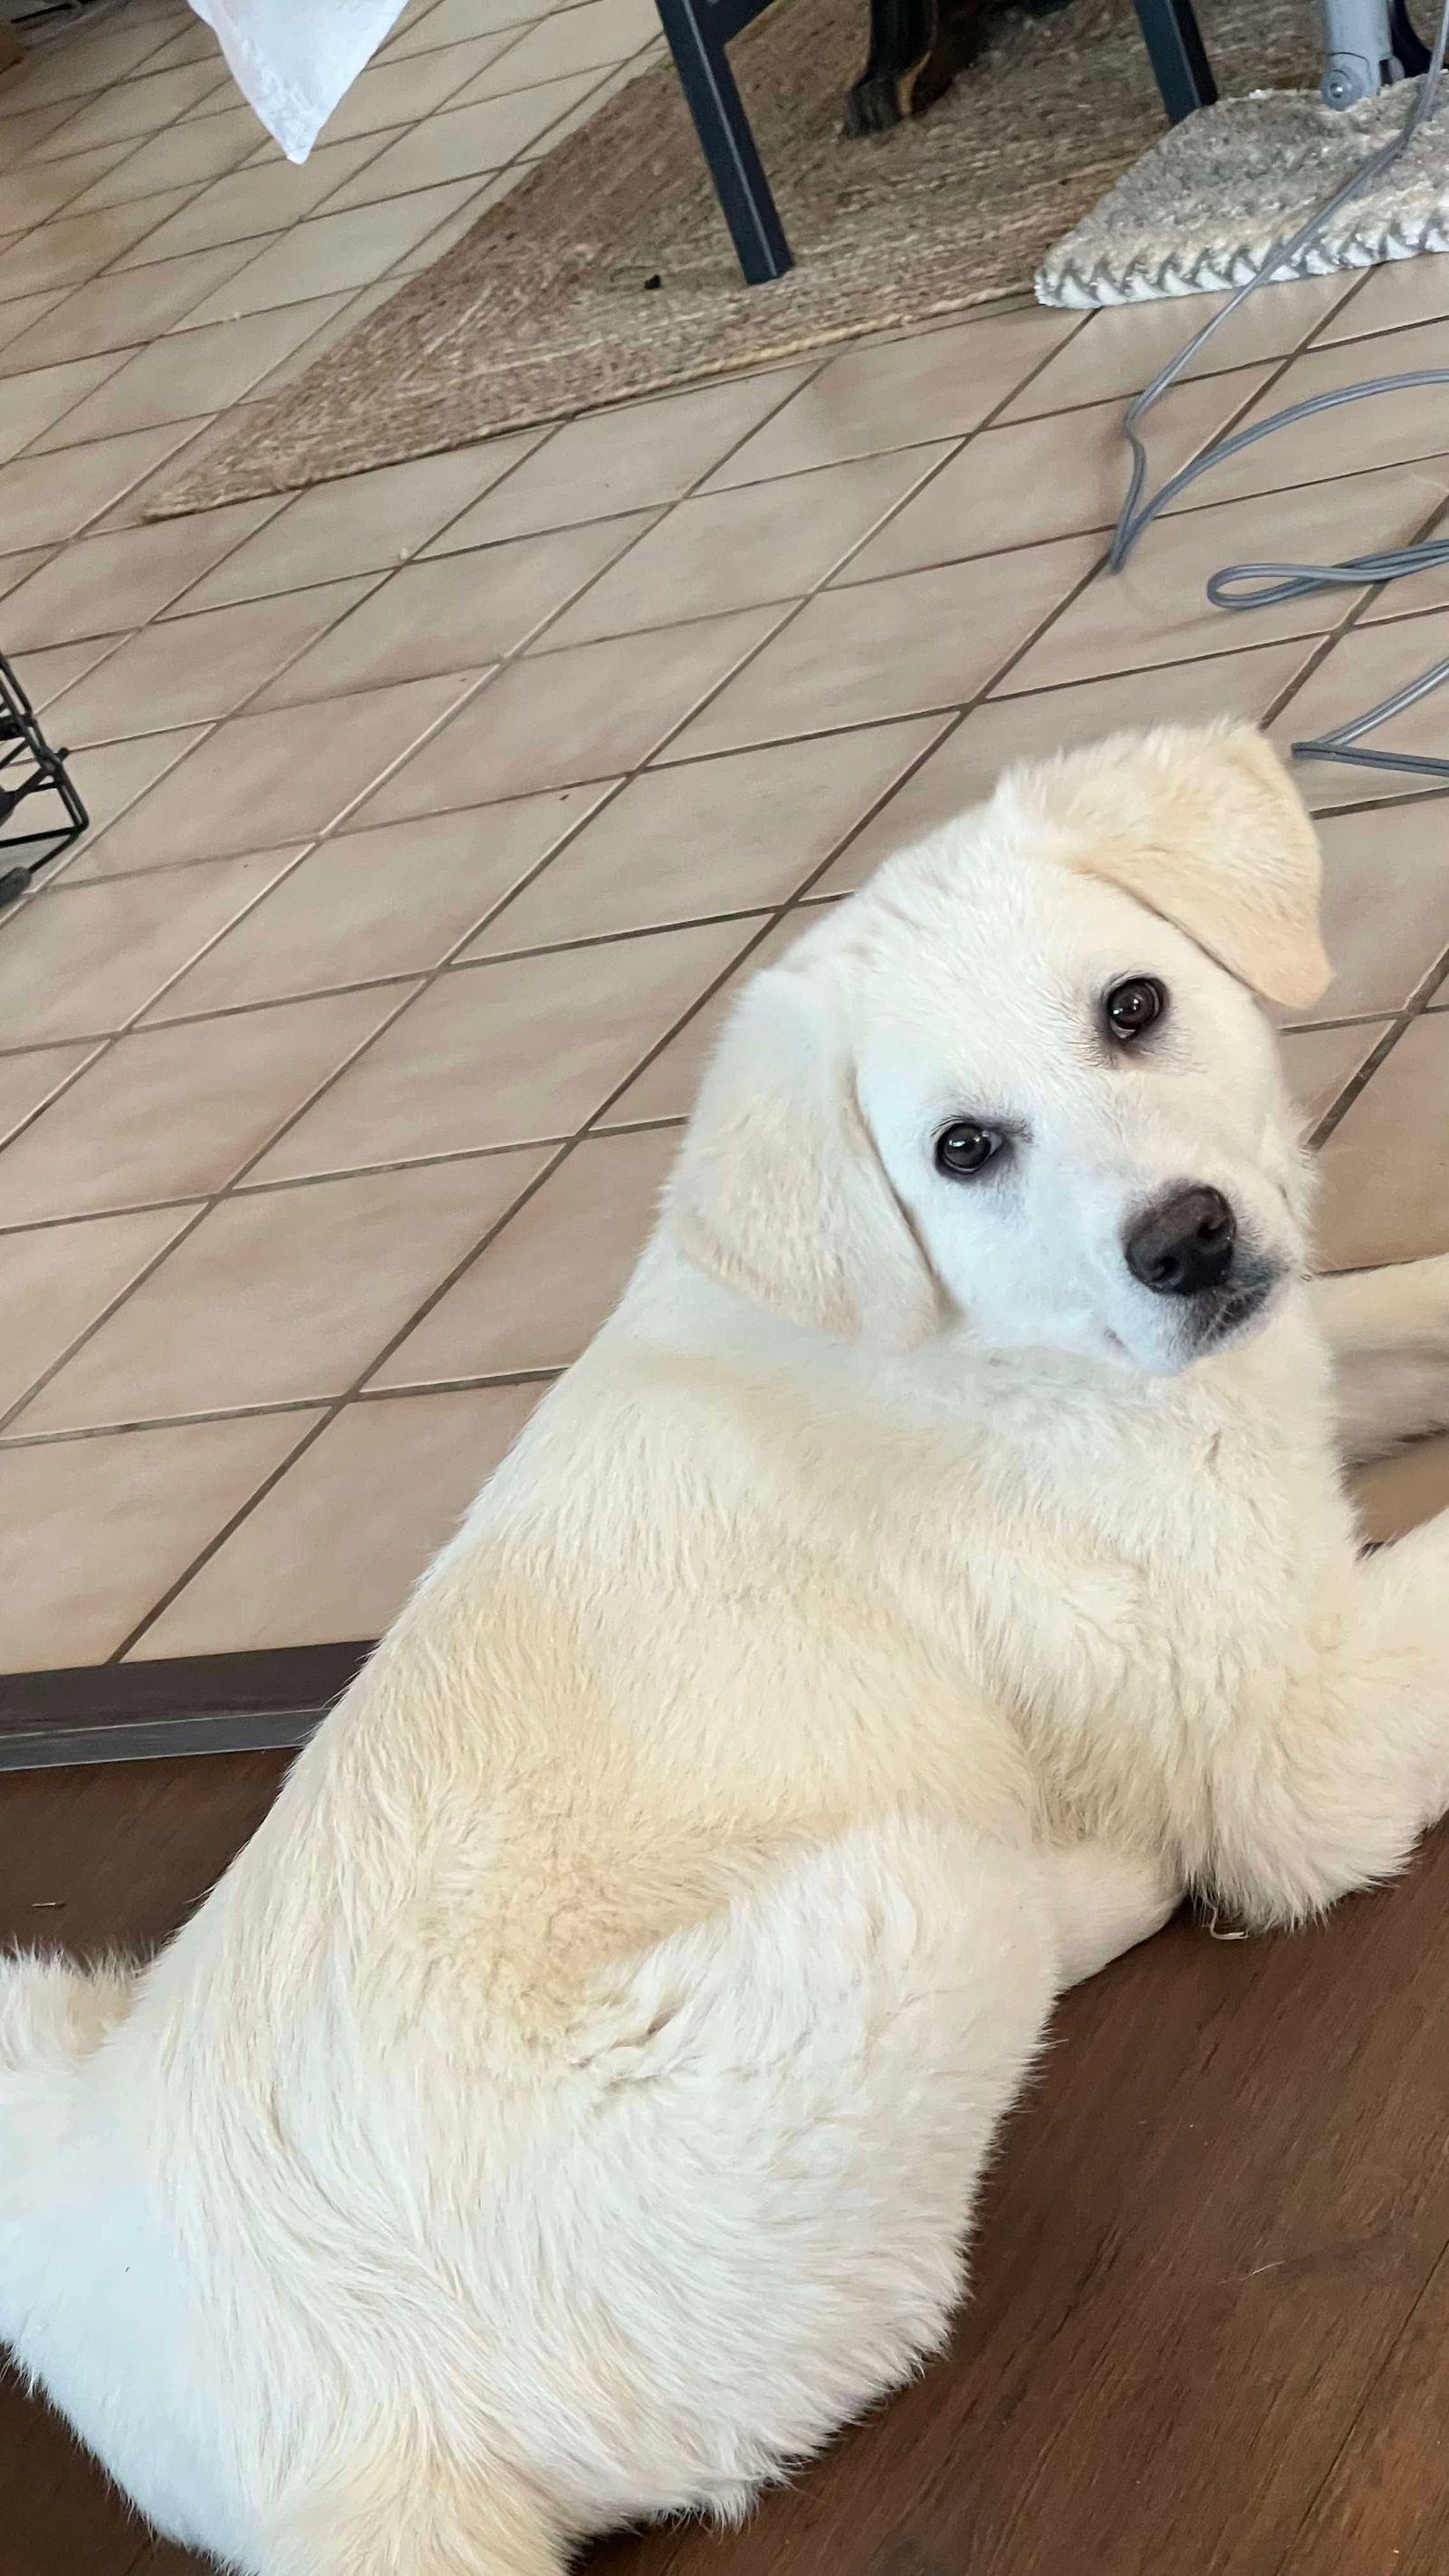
[569, 2107]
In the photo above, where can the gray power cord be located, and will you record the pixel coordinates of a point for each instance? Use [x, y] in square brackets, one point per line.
[1255, 585]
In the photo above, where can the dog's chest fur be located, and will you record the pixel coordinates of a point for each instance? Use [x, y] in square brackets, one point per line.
[1152, 1573]
[1037, 1596]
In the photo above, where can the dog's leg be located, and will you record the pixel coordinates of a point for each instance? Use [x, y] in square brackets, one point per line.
[1104, 1902]
[1354, 1765]
[1388, 1331]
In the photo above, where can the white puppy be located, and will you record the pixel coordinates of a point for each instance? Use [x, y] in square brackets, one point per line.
[569, 2106]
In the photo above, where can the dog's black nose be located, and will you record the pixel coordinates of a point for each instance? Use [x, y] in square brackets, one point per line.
[1184, 1245]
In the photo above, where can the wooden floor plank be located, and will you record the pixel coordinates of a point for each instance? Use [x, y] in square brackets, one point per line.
[1209, 2334]
[1384, 2509]
[121, 1853]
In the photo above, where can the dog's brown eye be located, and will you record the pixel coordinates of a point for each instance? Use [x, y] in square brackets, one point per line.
[965, 1148]
[1133, 1006]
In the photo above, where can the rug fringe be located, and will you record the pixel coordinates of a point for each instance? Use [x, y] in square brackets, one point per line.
[1211, 274]
[1201, 212]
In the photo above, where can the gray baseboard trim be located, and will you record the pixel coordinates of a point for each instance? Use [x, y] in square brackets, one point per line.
[183, 1706]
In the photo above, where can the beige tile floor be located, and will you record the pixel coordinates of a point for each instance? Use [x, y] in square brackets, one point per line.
[436, 813]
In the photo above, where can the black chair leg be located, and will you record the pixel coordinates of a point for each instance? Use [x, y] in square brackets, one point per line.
[1174, 43]
[725, 139]
[1410, 51]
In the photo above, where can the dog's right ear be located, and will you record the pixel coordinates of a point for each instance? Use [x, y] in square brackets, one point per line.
[1204, 824]
[779, 1190]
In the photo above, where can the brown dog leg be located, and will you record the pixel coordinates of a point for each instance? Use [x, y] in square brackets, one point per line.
[916, 49]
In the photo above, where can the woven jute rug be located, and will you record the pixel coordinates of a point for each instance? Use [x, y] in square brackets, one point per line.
[609, 274]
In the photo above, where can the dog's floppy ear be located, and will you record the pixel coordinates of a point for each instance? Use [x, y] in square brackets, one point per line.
[1204, 824]
[779, 1190]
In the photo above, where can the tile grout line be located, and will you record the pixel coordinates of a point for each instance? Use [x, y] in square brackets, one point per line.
[699, 760]
[113, 1037]
[39, 156]
[54, 709]
[109, 268]
[91, 525]
[807, 905]
[292, 1181]
[212, 1199]
[141, 1423]
[83, 98]
[175, 613]
[86, 536]
[563, 1148]
[239, 1176]
[98, 1048]
[420, 1313]
[382, 137]
[526, 647]
[113, 269]
[253, 159]
[1381, 804]
[312, 1435]
[1075, 592]
[529, 642]
[1129, 393]
[264, 241]
[386, 137]
[548, 433]
[132, 352]
[1172, 518]
[519, 653]
[15, 105]
[459, 1270]
[1358, 1082]
[484, 680]
[452, 965]
[519, 161]
[215, 1199]
[520, 885]
[522, 27]
[545, 1374]
[542, 1374]
[929, 751]
[1323, 640]
[175, 609]
[964, 320]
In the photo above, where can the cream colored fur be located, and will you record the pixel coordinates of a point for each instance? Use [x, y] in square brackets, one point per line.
[569, 2106]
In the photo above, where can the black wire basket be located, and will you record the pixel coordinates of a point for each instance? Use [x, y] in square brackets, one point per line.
[30, 770]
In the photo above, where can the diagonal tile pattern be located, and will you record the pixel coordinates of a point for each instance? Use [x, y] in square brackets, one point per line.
[438, 812]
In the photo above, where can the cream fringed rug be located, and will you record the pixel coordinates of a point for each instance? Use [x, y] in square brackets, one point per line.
[608, 273]
[1203, 209]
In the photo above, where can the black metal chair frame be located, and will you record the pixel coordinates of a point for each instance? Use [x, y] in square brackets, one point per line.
[29, 767]
[700, 32]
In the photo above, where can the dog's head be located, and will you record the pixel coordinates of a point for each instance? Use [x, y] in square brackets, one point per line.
[1019, 1086]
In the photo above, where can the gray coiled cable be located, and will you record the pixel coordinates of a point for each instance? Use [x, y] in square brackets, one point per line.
[1255, 585]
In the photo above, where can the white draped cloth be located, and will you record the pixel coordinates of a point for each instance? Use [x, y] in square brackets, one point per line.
[293, 60]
